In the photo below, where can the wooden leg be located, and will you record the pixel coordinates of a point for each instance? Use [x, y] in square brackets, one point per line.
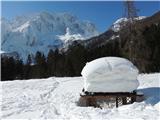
[89, 102]
[133, 99]
[116, 102]
[94, 103]
[124, 100]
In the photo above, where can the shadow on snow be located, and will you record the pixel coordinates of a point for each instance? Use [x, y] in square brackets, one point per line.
[151, 94]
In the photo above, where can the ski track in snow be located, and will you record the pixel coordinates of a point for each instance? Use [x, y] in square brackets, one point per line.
[56, 98]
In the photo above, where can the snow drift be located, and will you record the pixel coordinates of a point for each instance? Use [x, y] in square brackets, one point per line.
[110, 74]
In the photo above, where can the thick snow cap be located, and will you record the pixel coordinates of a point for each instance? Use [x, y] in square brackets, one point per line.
[110, 74]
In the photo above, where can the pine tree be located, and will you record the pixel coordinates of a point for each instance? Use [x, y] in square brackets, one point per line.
[50, 62]
[8, 68]
[29, 60]
[40, 70]
[19, 69]
[69, 70]
[27, 68]
[55, 62]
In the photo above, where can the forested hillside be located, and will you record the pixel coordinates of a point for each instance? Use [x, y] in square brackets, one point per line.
[141, 46]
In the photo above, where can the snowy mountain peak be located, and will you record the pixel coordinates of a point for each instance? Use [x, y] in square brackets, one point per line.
[43, 31]
[22, 27]
[68, 31]
[68, 37]
[117, 24]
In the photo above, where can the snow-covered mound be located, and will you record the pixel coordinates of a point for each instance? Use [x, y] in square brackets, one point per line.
[56, 98]
[110, 74]
[43, 31]
[118, 23]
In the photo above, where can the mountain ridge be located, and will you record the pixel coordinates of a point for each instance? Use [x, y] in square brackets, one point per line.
[43, 31]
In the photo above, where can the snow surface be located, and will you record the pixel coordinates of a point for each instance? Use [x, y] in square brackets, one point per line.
[106, 71]
[56, 98]
[70, 37]
[1, 52]
[118, 23]
[113, 37]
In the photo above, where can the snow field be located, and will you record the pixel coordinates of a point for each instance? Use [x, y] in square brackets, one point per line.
[56, 98]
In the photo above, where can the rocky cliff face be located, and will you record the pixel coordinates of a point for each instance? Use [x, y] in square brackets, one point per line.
[43, 31]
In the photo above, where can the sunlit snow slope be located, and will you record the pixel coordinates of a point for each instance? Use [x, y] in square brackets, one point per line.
[55, 98]
[43, 31]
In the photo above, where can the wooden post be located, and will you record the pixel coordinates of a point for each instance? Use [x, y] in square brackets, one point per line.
[116, 102]
[133, 99]
[124, 100]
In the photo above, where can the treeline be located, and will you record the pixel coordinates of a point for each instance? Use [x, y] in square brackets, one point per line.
[144, 52]
[56, 63]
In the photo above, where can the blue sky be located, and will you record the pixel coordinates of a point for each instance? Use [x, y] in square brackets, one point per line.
[102, 13]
